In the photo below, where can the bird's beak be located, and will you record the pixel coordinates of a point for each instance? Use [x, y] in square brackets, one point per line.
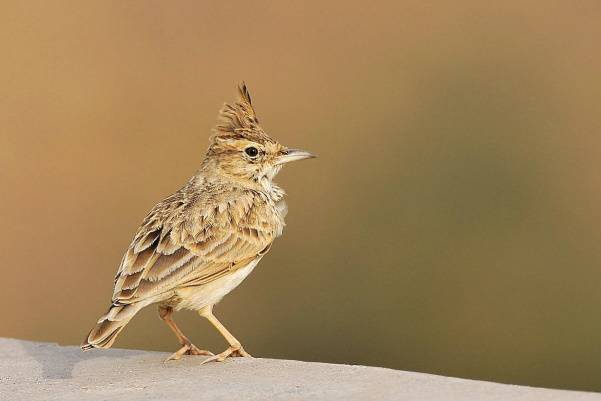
[291, 155]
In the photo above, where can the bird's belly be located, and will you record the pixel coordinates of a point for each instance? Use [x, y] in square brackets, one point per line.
[198, 297]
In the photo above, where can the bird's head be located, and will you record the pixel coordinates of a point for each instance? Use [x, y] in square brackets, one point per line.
[241, 150]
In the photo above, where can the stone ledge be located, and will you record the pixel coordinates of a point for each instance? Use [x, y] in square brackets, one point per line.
[44, 371]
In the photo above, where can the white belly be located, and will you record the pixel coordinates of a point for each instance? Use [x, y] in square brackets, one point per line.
[196, 298]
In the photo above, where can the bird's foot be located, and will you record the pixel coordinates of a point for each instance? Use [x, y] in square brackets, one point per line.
[188, 349]
[233, 351]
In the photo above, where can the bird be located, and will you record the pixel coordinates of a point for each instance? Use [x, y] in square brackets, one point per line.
[201, 242]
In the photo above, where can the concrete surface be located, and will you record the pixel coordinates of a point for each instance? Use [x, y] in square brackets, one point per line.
[43, 371]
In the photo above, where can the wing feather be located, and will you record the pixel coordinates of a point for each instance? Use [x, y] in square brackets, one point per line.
[179, 246]
[168, 263]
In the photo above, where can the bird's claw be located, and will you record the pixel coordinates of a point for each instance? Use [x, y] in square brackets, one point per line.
[188, 349]
[234, 351]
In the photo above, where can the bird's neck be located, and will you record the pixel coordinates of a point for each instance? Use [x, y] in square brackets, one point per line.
[272, 190]
[264, 184]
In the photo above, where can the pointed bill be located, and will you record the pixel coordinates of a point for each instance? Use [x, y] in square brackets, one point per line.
[293, 155]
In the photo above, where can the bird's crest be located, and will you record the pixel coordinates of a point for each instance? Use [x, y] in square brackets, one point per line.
[238, 120]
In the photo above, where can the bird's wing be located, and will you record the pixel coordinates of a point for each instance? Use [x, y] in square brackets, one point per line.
[174, 248]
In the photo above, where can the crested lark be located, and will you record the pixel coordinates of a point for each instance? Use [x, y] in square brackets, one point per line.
[198, 244]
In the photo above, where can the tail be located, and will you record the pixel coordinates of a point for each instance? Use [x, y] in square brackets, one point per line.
[108, 327]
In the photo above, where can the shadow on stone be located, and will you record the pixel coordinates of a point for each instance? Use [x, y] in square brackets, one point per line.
[59, 365]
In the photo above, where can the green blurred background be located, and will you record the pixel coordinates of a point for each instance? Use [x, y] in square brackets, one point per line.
[450, 224]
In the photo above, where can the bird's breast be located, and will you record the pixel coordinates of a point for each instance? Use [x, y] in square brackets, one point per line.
[282, 208]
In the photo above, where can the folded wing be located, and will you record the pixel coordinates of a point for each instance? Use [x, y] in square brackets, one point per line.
[170, 251]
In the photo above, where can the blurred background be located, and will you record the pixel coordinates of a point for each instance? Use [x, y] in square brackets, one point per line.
[451, 224]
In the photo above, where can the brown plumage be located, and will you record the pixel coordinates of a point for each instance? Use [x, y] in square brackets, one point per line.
[198, 244]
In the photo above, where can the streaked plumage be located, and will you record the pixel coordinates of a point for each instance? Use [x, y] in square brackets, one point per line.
[199, 243]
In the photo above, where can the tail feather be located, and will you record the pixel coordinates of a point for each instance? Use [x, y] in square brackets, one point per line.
[108, 327]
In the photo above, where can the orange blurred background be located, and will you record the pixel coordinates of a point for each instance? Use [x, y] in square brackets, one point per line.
[451, 224]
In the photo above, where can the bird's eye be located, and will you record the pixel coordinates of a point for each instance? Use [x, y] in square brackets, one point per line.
[251, 151]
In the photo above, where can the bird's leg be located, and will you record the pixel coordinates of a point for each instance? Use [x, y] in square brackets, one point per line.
[235, 348]
[187, 348]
